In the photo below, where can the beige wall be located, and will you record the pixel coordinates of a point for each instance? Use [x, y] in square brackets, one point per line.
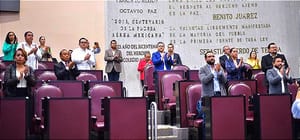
[61, 22]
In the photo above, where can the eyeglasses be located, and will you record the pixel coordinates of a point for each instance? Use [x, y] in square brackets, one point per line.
[83, 42]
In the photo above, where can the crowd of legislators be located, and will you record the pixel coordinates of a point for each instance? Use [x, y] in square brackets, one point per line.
[18, 77]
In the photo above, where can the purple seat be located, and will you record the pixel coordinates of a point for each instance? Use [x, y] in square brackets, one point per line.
[7, 62]
[226, 119]
[181, 67]
[293, 90]
[97, 73]
[251, 83]
[69, 88]
[42, 92]
[13, 118]
[116, 85]
[97, 92]
[149, 81]
[42, 66]
[273, 119]
[2, 66]
[47, 76]
[84, 76]
[261, 85]
[47, 65]
[243, 89]
[193, 96]
[67, 118]
[122, 112]
[181, 99]
[167, 81]
[193, 75]
[159, 87]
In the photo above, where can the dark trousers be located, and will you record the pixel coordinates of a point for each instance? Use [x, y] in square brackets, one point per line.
[113, 75]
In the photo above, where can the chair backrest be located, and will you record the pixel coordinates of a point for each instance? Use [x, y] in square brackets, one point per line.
[293, 90]
[251, 83]
[180, 92]
[2, 66]
[167, 82]
[225, 111]
[121, 112]
[67, 118]
[44, 91]
[181, 67]
[47, 75]
[97, 92]
[148, 77]
[193, 75]
[273, 119]
[47, 65]
[158, 84]
[42, 66]
[97, 73]
[242, 89]
[261, 85]
[13, 118]
[84, 76]
[69, 88]
[116, 85]
[193, 96]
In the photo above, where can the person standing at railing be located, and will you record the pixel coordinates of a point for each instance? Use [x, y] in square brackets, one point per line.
[143, 63]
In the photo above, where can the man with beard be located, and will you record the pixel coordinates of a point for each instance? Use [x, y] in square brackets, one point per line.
[213, 82]
[278, 77]
[212, 77]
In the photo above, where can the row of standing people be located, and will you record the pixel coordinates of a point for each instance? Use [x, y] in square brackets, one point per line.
[19, 78]
[160, 59]
[273, 64]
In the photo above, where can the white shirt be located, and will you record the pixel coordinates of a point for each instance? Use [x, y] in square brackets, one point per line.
[282, 82]
[32, 59]
[162, 57]
[78, 57]
[216, 81]
[22, 83]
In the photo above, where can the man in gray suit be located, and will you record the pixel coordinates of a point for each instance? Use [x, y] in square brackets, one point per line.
[113, 58]
[212, 77]
[213, 82]
[278, 77]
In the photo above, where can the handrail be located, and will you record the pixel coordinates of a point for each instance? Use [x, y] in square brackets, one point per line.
[153, 119]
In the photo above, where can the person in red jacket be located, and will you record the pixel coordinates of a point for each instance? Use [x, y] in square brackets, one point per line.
[144, 62]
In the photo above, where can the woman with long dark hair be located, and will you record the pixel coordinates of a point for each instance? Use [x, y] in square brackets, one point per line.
[9, 46]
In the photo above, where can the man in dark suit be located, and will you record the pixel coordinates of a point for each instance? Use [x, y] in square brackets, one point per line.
[278, 77]
[266, 61]
[66, 69]
[223, 58]
[175, 57]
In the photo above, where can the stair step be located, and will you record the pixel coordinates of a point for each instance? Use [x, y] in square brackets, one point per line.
[167, 138]
[160, 116]
[168, 130]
